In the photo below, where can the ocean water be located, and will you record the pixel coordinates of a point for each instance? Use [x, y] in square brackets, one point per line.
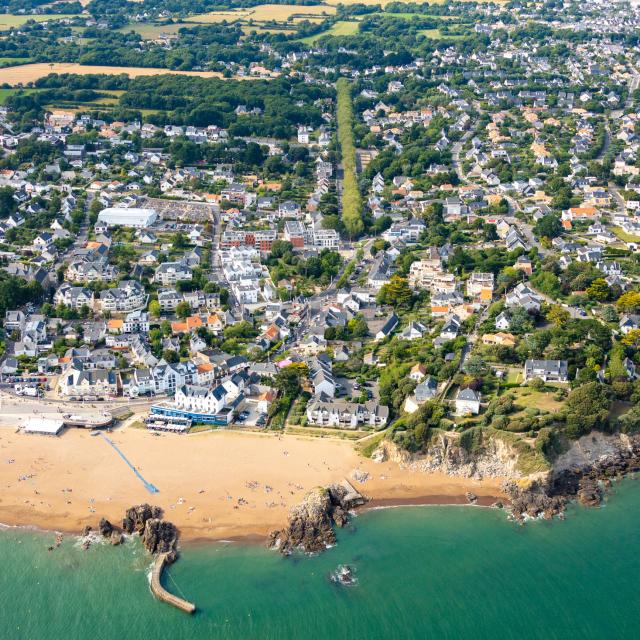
[423, 572]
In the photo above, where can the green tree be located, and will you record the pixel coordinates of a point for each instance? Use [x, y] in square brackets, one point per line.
[558, 316]
[170, 356]
[547, 283]
[629, 302]
[599, 290]
[587, 408]
[287, 380]
[351, 199]
[548, 226]
[154, 309]
[183, 310]
[396, 292]
[179, 241]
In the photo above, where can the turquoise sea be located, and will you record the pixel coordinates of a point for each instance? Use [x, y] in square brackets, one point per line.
[423, 572]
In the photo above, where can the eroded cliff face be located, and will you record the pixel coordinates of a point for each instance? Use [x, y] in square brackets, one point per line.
[496, 460]
[581, 473]
[596, 449]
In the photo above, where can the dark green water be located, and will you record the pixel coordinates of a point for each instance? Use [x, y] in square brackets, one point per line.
[424, 572]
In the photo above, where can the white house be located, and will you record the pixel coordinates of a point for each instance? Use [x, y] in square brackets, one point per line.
[467, 402]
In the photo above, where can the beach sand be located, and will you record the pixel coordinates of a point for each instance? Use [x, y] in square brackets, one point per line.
[216, 485]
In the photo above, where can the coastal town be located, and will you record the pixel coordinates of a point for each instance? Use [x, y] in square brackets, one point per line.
[413, 233]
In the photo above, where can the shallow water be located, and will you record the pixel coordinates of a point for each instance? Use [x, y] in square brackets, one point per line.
[423, 572]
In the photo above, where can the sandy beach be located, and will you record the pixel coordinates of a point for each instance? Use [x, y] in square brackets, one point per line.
[216, 485]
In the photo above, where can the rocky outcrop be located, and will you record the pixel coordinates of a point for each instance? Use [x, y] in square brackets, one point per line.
[105, 527]
[136, 517]
[160, 536]
[310, 525]
[582, 473]
[532, 500]
[496, 460]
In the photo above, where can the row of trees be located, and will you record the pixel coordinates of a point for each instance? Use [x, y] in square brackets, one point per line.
[351, 200]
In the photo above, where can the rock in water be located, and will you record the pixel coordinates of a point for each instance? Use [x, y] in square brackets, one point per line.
[115, 538]
[344, 576]
[311, 522]
[589, 493]
[105, 528]
[533, 501]
[310, 525]
[160, 536]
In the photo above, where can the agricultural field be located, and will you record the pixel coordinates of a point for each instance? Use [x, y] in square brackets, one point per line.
[265, 13]
[9, 21]
[24, 74]
[153, 31]
[340, 28]
[436, 34]
[218, 16]
[386, 2]
[621, 234]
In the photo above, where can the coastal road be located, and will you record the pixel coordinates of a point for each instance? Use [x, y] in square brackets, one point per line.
[16, 409]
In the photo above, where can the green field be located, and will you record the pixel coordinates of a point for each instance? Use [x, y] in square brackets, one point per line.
[624, 236]
[5, 93]
[9, 62]
[340, 28]
[8, 21]
[153, 31]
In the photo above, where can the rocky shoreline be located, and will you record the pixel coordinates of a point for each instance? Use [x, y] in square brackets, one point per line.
[582, 474]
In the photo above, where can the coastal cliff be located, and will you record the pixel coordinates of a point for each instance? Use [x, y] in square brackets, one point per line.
[582, 471]
[496, 458]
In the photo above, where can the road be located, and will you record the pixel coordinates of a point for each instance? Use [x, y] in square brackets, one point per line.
[455, 154]
[619, 200]
[606, 144]
[17, 409]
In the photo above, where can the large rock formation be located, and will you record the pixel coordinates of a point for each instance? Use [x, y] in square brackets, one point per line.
[105, 527]
[532, 500]
[311, 522]
[137, 516]
[160, 536]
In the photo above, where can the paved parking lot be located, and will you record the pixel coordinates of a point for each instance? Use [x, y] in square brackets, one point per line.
[252, 409]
